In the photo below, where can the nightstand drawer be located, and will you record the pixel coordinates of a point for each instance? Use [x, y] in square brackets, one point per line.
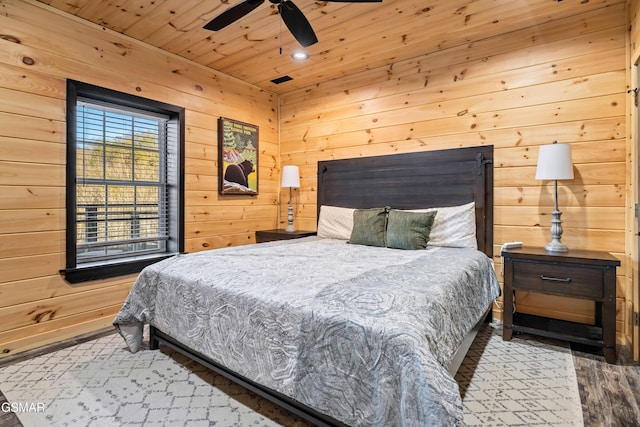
[559, 279]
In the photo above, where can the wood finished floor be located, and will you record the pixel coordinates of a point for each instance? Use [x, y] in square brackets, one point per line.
[610, 394]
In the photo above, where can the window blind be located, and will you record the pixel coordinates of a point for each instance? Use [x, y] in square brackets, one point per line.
[121, 182]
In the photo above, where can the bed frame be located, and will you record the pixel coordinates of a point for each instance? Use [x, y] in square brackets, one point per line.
[406, 181]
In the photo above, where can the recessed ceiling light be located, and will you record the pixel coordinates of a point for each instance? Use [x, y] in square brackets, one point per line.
[299, 55]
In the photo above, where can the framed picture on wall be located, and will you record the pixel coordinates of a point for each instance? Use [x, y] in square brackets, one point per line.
[237, 157]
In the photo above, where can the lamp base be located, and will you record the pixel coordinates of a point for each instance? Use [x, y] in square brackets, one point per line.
[556, 229]
[290, 228]
[556, 246]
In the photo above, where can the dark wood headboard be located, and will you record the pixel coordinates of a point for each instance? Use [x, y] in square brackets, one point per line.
[415, 180]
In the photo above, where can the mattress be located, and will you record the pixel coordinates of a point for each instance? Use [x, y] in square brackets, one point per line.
[362, 334]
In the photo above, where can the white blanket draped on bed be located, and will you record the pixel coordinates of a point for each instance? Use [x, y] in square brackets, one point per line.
[363, 334]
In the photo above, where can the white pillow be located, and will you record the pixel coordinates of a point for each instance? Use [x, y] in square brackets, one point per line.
[335, 222]
[453, 226]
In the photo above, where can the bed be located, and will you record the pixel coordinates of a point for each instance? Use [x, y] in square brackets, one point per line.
[338, 332]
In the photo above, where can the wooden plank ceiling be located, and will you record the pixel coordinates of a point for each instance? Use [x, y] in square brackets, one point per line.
[353, 37]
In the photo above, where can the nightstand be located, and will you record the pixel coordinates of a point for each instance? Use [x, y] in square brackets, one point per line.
[581, 274]
[271, 235]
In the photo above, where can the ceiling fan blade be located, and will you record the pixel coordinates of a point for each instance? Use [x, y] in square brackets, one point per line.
[297, 23]
[232, 14]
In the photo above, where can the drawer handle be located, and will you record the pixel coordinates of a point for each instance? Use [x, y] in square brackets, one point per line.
[555, 279]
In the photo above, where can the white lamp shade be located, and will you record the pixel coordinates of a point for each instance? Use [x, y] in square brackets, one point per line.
[290, 177]
[554, 162]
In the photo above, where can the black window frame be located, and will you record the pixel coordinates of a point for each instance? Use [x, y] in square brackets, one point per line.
[75, 273]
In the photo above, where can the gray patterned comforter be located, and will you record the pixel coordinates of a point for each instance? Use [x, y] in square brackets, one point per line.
[363, 334]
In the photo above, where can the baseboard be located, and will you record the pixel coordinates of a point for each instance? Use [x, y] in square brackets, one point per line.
[9, 360]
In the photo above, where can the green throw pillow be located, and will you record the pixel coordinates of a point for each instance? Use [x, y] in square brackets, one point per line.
[369, 227]
[409, 230]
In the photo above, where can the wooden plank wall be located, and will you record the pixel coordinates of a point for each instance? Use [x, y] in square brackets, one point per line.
[564, 79]
[39, 49]
[633, 173]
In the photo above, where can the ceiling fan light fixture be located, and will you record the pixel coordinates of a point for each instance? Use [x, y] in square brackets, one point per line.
[299, 55]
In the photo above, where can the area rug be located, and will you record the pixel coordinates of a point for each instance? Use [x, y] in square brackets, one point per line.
[528, 381]
[99, 383]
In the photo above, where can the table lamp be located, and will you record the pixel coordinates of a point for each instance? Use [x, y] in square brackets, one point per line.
[291, 179]
[554, 162]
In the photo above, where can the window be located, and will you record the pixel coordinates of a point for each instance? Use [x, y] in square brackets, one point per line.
[124, 188]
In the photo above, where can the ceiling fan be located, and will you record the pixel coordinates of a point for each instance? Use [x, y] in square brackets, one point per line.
[291, 15]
